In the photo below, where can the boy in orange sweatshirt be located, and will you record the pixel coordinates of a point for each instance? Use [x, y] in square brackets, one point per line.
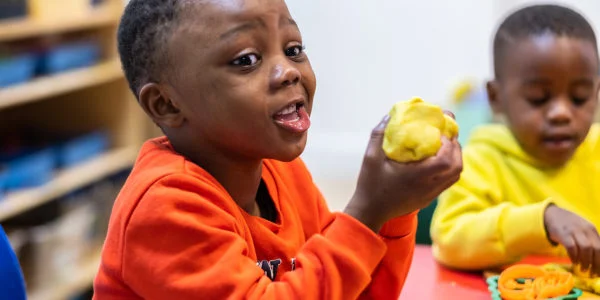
[222, 207]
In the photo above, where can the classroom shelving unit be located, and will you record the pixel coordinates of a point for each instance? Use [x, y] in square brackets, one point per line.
[79, 282]
[76, 101]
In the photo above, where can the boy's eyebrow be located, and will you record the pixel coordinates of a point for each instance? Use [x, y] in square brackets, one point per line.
[252, 25]
[288, 21]
[583, 81]
[537, 81]
[242, 27]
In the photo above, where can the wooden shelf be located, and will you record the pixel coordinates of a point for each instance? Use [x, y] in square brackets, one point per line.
[55, 85]
[105, 15]
[68, 180]
[65, 104]
[79, 282]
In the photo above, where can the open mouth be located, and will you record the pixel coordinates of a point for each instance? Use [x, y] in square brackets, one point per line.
[293, 117]
[289, 113]
[559, 142]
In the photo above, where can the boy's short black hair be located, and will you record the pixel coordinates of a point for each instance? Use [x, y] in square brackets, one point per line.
[142, 37]
[537, 20]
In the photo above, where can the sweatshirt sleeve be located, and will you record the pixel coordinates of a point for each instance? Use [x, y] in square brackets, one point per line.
[388, 279]
[474, 228]
[398, 235]
[180, 245]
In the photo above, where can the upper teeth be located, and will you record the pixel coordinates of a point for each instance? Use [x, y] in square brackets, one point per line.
[288, 110]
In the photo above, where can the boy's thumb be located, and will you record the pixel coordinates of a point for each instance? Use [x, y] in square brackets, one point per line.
[376, 140]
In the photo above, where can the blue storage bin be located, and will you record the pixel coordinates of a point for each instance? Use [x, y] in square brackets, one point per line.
[69, 56]
[472, 113]
[2, 180]
[30, 169]
[469, 118]
[82, 148]
[11, 275]
[17, 69]
[13, 9]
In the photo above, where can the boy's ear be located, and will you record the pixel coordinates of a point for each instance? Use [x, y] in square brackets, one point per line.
[493, 91]
[157, 104]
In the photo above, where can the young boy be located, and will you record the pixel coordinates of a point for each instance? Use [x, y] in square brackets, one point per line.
[222, 207]
[530, 186]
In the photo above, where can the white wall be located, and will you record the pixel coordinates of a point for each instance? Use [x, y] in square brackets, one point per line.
[589, 8]
[370, 54]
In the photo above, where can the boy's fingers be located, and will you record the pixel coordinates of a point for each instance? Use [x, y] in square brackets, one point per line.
[380, 128]
[596, 256]
[457, 163]
[443, 160]
[449, 113]
[457, 155]
[595, 246]
[376, 140]
[453, 168]
[569, 243]
[584, 250]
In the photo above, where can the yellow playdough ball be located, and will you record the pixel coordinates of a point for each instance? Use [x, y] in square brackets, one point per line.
[415, 129]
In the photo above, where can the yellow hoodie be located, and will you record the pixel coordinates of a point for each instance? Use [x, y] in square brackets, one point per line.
[494, 214]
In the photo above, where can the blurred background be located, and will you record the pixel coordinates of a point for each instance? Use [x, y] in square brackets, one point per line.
[70, 129]
[369, 54]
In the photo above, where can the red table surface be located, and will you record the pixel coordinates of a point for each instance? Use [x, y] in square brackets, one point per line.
[428, 280]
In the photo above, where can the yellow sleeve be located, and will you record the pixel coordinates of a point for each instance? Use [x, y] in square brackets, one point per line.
[475, 228]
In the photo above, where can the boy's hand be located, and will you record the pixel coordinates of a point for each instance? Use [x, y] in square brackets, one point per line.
[576, 234]
[387, 189]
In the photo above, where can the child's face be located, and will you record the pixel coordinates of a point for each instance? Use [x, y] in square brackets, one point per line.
[241, 78]
[548, 94]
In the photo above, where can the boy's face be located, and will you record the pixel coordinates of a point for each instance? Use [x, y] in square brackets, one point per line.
[241, 79]
[548, 94]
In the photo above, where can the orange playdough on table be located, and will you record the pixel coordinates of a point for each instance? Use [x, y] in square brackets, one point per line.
[529, 282]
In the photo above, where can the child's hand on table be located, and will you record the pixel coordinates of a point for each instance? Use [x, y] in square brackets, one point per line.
[388, 189]
[577, 235]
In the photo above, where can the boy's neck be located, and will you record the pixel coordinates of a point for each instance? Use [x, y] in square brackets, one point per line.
[240, 181]
[241, 178]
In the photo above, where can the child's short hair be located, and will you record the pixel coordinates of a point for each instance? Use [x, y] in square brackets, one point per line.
[142, 38]
[537, 20]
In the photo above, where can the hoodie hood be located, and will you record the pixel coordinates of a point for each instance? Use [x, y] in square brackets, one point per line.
[499, 137]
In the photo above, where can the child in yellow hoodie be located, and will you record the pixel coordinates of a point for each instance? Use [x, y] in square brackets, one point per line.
[531, 185]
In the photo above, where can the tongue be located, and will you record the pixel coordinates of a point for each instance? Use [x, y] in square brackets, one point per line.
[297, 121]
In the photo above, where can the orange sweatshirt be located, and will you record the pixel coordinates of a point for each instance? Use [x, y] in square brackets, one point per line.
[175, 233]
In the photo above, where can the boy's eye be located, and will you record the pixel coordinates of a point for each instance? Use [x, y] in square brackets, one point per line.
[579, 101]
[246, 60]
[538, 101]
[581, 93]
[535, 93]
[294, 51]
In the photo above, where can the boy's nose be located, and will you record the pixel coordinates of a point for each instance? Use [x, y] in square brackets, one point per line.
[284, 74]
[560, 112]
